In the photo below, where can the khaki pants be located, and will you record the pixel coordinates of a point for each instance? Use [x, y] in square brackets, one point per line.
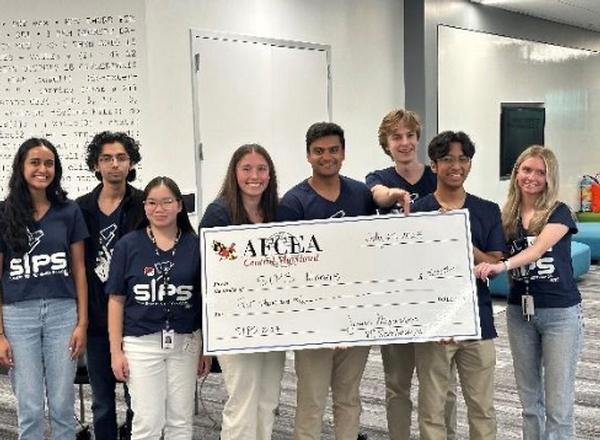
[475, 361]
[399, 366]
[317, 370]
[253, 382]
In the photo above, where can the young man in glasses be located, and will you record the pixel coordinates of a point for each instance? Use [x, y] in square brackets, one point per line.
[451, 154]
[110, 210]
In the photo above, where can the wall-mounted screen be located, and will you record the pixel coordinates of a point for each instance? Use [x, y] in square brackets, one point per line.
[521, 125]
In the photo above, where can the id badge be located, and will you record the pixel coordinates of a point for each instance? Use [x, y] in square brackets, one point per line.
[168, 339]
[527, 306]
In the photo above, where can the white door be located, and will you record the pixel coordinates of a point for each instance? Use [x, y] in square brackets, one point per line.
[252, 90]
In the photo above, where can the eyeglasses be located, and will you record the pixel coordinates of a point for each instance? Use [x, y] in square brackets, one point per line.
[107, 158]
[152, 204]
[449, 160]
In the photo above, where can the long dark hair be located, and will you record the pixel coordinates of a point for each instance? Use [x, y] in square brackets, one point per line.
[18, 209]
[230, 190]
[183, 221]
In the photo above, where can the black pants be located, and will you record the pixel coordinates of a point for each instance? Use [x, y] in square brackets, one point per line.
[103, 384]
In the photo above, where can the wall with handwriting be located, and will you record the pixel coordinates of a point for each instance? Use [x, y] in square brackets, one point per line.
[65, 74]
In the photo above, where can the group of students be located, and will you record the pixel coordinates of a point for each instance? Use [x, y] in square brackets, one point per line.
[134, 256]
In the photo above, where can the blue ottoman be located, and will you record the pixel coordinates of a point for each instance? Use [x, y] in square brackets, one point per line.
[589, 233]
[581, 258]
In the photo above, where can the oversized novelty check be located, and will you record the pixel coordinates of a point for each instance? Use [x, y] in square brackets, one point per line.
[349, 281]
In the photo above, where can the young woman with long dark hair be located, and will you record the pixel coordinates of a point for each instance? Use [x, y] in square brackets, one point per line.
[44, 301]
[253, 381]
[154, 315]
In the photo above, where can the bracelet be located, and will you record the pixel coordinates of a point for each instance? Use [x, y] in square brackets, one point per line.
[506, 264]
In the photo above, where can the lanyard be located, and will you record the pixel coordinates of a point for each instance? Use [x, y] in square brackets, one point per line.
[165, 268]
[524, 270]
[527, 300]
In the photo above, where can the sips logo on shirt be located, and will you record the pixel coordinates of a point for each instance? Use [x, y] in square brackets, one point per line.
[37, 265]
[541, 269]
[160, 290]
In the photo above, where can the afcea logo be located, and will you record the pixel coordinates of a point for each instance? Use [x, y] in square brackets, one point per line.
[33, 265]
[156, 292]
[282, 243]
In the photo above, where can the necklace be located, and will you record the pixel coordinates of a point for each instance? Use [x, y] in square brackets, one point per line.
[153, 239]
[164, 268]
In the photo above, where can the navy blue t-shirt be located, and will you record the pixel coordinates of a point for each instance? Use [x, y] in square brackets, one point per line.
[216, 214]
[139, 274]
[389, 177]
[487, 236]
[302, 202]
[44, 271]
[551, 280]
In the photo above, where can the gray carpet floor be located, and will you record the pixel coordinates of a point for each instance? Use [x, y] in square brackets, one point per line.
[373, 421]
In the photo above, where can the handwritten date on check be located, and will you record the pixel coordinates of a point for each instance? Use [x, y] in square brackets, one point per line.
[350, 281]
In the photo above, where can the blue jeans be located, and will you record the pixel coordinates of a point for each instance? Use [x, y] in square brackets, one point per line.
[545, 352]
[39, 332]
[103, 384]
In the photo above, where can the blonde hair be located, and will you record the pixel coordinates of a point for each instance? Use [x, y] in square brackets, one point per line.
[544, 205]
[394, 118]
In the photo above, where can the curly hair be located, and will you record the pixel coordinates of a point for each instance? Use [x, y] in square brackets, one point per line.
[94, 149]
[18, 210]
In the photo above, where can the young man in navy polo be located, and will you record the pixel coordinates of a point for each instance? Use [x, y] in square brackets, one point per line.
[451, 154]
[324, 195]
[110, 210]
